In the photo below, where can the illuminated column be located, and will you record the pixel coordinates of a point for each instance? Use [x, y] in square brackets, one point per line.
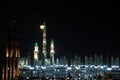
[44, 51]
[36, 52]
[52, 52]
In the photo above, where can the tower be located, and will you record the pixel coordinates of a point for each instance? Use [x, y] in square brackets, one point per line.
[44, 44]
[12, 53]
[52, 52]
[36, 52]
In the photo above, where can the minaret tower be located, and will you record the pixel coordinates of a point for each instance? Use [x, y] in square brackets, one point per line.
[52, 52]
[36, 52]
[44, 51]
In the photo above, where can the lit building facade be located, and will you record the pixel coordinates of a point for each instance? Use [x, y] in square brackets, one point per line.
[12, 54]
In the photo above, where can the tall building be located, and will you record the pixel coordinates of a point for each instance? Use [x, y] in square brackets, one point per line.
[12, 53]
[52, 52]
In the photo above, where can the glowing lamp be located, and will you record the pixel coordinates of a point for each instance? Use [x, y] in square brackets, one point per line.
[42, 27]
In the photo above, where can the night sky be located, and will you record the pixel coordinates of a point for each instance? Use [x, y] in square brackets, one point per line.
[83, 28]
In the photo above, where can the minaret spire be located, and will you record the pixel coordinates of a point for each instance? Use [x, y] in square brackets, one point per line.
[52, 51]
[36, 51]
[44, 51]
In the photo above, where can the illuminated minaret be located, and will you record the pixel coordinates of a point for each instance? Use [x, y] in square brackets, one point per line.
[44, 51]
[52, 52]
[36, 52]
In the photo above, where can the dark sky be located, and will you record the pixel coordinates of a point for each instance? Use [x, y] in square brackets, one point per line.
[83, 28]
